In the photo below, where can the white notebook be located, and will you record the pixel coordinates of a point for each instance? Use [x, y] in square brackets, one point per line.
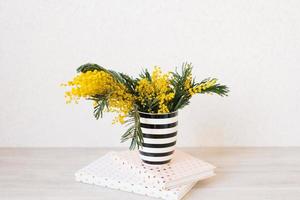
[108, 172]
[182, 169]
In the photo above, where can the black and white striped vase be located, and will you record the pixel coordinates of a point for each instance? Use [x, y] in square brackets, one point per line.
[159, 134]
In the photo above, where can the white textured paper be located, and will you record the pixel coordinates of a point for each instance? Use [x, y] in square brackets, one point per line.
[182, 169]
[105, 172]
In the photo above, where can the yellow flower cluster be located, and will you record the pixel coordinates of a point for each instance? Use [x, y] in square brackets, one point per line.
[201, 87]
[95, 82]
[121, 102]
[188, 83]
[158, 88]
[88, 84]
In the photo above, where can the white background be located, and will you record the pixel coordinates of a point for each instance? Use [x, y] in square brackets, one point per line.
[252, 46]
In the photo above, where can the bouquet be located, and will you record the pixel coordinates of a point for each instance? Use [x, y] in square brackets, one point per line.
[150, 92]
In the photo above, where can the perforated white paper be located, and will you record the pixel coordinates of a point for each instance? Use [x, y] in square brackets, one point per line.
[182, 169]
[113, 171]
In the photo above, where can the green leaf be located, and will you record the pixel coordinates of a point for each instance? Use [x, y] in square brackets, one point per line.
[101, 105]
[134, 132]
[90, 67]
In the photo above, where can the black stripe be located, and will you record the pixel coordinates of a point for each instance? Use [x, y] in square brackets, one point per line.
[158, 126]
[156, 154]
[159, 145]
[158, 116]
[156, 162]
[169, 135]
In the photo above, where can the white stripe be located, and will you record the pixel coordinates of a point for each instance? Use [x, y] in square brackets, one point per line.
[159, 131]
[157, 150]
[158, 121]
[159, 140]
[156, 159]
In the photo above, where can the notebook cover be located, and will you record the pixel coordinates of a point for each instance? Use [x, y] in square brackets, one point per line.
[108, 173]
[182, 169]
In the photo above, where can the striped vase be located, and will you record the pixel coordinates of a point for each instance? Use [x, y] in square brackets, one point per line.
[159, 134]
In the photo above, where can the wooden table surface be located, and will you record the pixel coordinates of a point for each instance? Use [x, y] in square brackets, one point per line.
[242, 173]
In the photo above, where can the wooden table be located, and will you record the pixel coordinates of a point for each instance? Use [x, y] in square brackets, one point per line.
[242, 173]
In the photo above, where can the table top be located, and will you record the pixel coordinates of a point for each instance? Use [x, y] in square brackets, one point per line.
[242, 173]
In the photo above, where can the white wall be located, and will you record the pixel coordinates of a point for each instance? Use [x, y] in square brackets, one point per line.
[253, 46]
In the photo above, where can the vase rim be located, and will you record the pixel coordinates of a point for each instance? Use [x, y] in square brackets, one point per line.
[158, 113]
